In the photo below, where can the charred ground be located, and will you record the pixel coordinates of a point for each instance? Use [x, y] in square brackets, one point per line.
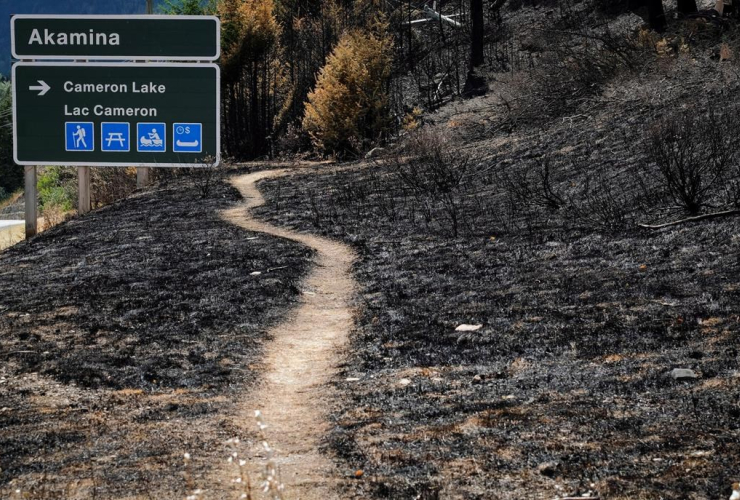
[525, 221]
[566, 389]
[124, 334]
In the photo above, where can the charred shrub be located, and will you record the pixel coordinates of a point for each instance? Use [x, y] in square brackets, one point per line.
[602, 201]
[733, 190]
[592, 197]
[432, 170]
[573, 67]
[202, 179]
[694, 153]
[205, 177]
[533, 188]
[111, 184]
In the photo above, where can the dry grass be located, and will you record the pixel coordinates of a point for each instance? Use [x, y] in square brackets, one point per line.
[10, 200]
[11, 236]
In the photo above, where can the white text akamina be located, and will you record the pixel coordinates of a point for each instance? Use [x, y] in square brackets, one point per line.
[84, 38]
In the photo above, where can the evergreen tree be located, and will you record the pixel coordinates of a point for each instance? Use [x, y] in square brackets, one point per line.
[350, 103]
[189, 7]
[11, 175]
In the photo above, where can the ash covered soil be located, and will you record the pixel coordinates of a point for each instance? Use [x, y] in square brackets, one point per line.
[566, 390]
[126, 336]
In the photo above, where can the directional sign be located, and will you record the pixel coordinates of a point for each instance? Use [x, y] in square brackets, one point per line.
[105, 114]
[174, 38]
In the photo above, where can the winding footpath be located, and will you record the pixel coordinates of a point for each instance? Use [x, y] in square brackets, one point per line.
[301, 357]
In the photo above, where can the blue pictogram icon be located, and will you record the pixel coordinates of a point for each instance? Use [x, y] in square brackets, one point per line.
[115, 137]
[187, 137]
[152, 138]
[79, 136]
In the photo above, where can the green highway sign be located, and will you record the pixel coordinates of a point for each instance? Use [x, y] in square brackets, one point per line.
[125, 114]
[173, 38]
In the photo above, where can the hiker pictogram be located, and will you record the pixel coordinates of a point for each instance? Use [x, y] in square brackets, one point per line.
[79, 136]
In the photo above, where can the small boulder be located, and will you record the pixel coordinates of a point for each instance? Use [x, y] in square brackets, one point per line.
[468, 328]
[683, 374]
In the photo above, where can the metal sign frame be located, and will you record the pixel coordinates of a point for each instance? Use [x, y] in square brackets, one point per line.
[217, 104]
[214, 57]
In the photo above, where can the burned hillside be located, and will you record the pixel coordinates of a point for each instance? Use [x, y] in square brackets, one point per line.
[518, 273]
[124, 333]
[525, 222]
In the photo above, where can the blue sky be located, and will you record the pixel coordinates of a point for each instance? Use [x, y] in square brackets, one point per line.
[10, 7]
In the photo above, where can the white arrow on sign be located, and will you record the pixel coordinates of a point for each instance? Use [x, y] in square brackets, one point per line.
[43, 88]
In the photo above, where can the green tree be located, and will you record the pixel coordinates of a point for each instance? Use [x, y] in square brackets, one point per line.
[11, 175]
[189, 7]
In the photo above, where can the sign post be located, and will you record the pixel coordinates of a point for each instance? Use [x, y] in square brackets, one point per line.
[83, 190]
[123, 113]
[31, 199]
[142, 173]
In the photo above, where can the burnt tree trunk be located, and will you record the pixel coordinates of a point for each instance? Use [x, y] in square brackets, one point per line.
[477, 33]
[656, 15]
[687, 7]
[475, 84]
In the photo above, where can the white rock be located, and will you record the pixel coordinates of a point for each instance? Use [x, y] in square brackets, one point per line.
[683, 374]
[468, 328]
[404, 382]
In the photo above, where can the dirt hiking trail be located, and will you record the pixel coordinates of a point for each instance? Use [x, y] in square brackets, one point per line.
[300, 359]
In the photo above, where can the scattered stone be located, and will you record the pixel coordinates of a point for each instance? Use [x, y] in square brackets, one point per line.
[468, 328]
[404, 382]
[701, 453]
[683, 374]
[255, 273]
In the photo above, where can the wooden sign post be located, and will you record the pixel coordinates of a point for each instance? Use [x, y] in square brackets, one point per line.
[83, 190]
[142, 173]
[31, 200]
